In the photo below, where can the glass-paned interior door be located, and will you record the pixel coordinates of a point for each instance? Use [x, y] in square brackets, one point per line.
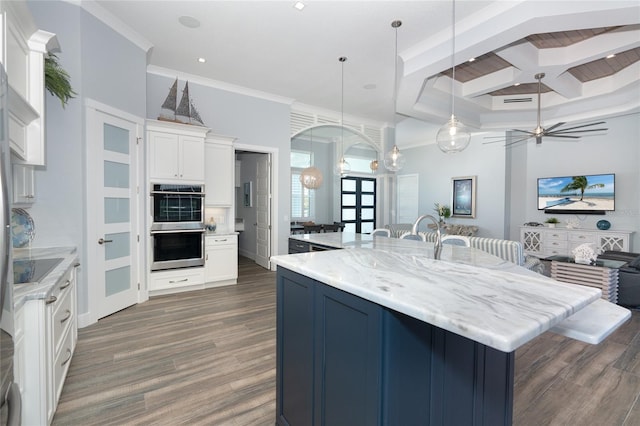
[113, 198]
[358, 204]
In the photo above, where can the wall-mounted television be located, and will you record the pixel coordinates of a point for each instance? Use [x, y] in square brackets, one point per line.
[586, 194]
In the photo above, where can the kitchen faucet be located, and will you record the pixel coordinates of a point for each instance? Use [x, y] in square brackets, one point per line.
[437, 248]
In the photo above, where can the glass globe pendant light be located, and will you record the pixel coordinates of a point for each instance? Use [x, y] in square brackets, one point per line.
[342, 168]
[394, 159]
[311, 177]
[453, 136]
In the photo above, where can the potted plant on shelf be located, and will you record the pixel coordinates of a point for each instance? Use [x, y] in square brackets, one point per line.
[443, 211]
[551, 222]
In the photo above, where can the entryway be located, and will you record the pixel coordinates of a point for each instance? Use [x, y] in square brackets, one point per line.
[255, 202]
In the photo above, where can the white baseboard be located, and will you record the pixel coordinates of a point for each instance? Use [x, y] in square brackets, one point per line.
[247, 254]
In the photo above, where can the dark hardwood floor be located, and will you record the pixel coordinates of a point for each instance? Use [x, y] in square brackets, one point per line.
[208, 358]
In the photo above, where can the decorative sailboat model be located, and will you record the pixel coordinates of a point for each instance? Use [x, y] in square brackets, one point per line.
[185, 112]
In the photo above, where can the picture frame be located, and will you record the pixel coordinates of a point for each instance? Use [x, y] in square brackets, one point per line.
[248, 195]
[463, 199]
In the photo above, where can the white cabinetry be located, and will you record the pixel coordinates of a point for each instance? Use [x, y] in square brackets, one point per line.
[24, 184]
[545, 242]
[176, 151]
[176, 280]
[220, 171]
[22, 51]
[221, 260]
[48, 330]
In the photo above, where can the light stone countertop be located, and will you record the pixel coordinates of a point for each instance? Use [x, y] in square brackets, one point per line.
[42, 289]
[468, 292]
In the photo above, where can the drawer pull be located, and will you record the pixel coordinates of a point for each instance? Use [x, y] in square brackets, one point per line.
[65, 285]
[51, 300]
[220, 241]
[68, 358]
[66, 317]
[179, 281]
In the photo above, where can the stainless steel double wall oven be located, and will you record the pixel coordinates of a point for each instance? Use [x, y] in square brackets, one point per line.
[177, 229]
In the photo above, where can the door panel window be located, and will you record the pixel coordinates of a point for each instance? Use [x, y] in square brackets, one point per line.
[358, 204]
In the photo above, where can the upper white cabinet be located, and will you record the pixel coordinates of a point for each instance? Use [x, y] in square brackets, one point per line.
[23, 47]
[220, 171]
[176, 151]
[24, 184]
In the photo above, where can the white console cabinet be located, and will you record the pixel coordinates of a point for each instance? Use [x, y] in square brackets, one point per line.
[176, 151]
[220, 173]
[544, 242]
[221, 260]
[47, 330]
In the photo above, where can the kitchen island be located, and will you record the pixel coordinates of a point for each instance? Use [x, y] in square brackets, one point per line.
[381, 333]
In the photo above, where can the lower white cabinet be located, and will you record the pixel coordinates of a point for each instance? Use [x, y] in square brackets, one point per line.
[221, 260]
[176, 280]
[544, 242]
[47, 334]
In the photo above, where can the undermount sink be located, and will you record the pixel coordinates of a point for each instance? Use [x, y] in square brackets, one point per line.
[32, 270]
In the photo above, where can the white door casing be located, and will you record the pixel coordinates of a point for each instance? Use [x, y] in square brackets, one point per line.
[263, 211]
[114, 209]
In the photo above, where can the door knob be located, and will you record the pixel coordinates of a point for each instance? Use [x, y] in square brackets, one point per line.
[102, 241]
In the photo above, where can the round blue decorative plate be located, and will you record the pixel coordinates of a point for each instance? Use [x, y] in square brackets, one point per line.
[603, 225]
[22, 228]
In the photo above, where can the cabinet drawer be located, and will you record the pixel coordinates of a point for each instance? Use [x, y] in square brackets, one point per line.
[577, 239]
[220, 240]
[555, 236]
[298, 246]
[61, 365]
[176, 279]
[63, 314]
[556, 244]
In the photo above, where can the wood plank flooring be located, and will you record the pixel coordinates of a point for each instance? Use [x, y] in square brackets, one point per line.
[208, 358]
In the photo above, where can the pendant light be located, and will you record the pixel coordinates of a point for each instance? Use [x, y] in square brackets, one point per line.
[342, 168]
[311, 177]
[453, 136]
[394, 159]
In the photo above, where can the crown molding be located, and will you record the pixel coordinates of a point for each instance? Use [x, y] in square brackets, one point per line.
[216, 84]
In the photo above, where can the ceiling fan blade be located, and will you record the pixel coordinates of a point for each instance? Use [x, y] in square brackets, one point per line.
[554, 126]
[517, 141]
[566, 132]
[584, 125]
[555, 135]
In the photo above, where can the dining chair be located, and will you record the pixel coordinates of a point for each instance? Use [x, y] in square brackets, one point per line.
[410, 236]
[456, 240]
[331, 227]
[310, 229]
[381, 232]
[340, 225]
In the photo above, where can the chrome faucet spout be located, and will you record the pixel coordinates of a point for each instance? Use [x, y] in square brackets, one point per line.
[437, 248]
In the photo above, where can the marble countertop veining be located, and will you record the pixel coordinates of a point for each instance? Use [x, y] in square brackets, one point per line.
[468, 291]
[43, 288]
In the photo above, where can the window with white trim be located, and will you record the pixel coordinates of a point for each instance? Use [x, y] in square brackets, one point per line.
[302, 199]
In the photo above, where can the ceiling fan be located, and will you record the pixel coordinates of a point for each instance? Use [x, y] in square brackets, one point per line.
[554, 131]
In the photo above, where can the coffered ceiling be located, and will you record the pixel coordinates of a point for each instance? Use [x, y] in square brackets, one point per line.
[273, 50]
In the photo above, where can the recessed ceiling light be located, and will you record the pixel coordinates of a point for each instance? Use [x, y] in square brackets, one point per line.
[298, 5]
[202, 60]
[472, 59]
[613, 55]
[517, 84]
[189, 21]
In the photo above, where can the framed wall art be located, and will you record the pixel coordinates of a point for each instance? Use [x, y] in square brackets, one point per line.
[248, 194]
[464, 196]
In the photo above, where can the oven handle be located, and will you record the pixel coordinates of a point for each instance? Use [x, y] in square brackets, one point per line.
[178, 231]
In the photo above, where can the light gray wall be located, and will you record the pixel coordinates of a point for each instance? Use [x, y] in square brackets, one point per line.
[253, 121]
[507, 177]
[616, 151]
[102, 66]
[436, 169]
